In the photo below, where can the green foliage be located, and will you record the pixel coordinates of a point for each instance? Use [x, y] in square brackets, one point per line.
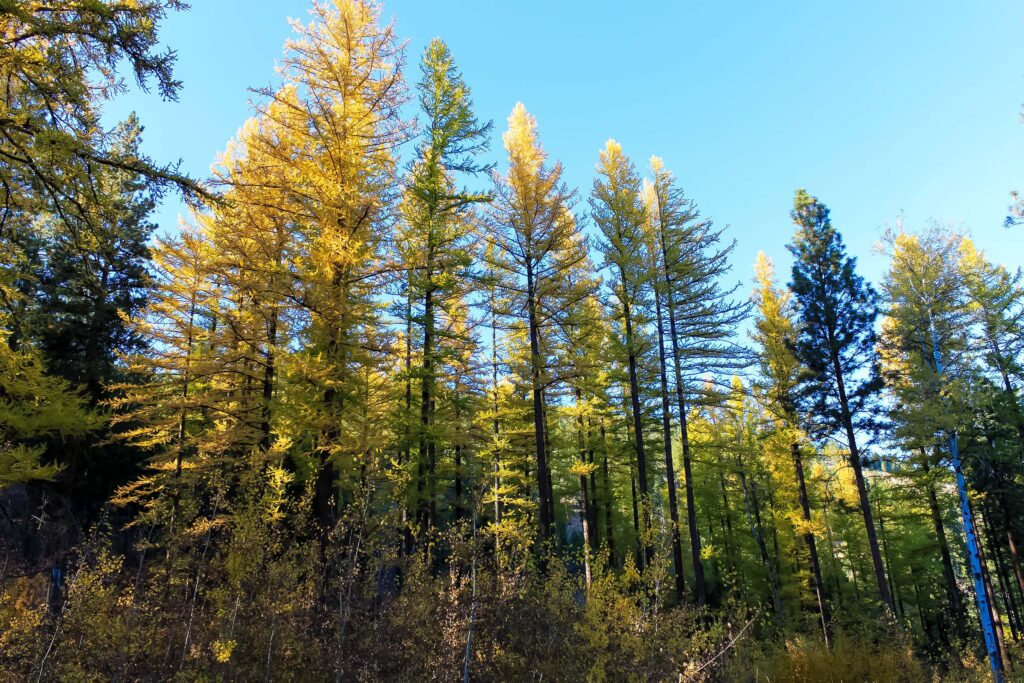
[391, 434]
[837, 310]
[34, 408]
[60, 60]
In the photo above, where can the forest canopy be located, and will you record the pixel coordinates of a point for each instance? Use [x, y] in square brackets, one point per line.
[381, 409]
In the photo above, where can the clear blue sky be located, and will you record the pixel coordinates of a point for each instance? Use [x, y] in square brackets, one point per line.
[878, 107]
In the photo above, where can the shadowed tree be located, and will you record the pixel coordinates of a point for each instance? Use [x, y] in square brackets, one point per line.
[452, 138]
[836, 344]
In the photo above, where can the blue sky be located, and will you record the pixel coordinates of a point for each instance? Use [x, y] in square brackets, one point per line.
[878, 108]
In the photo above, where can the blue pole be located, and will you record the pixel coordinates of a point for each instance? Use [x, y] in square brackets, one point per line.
[980, 595]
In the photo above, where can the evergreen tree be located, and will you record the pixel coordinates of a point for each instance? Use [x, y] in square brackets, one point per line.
[996, 300]
[35, 407]
[835, 343]
[336, 360]
[90, 274]
[84, 277]
[451, 140]
[924, 294]
[651, 206]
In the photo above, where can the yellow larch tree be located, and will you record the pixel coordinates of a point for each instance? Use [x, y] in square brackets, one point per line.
[339, 114]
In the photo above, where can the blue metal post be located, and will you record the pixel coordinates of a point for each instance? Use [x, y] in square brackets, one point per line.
[980, 595]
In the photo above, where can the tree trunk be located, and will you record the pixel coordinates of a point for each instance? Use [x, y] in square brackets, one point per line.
[997, 619]
[581, 444]
[407, 449]
[636, 518]
[609, 527]
[897, 603]
[269, 370]
[543, 474]
[699, 585]
[585, 523]
[426, 503]
[547, 474]
[862, 489]
[670, 472]
[1011, 542]
[323, 489]
[595, 535]
[495, 425]
[952, 589]
[1009, 601]
[459, 503]
[638, 427]
[753, 510]
[817, 585]
[730, 551]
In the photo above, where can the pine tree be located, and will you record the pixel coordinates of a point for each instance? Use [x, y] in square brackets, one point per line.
[77, 192]
[84, 276]
[91, 273]
[835, 343]
[996, 298]
[927, 322]
[585, 334]
[661, 293]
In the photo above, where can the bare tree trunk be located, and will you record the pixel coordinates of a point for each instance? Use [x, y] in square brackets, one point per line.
[730, 550]
[609, 527]
[1011, 541]
[585, 520]
[670, 471]
[636, 517]
[638, 428]
[581, 445]
[545, 494]
[997, 619]
[1009, 600]
[888, 564]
